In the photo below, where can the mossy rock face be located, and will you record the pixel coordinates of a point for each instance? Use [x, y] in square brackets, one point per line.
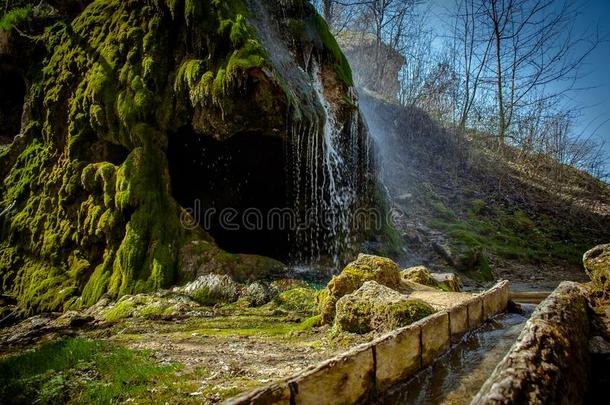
[93, 210]
[201, 257]
[354, 275]
[375, 307]
[597, 265]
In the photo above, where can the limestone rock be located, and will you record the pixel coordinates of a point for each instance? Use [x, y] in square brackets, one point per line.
[257, 294]
[164, 305]
[597, 265]
[97, 170]
[377, 307]
[420, 275]
[448, 281]
[549, 362]
[366, 268]
[212, 289]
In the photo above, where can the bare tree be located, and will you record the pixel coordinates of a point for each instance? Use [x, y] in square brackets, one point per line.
[473, 45]
[534, 46]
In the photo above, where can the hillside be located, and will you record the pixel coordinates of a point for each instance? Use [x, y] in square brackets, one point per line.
[460, 203]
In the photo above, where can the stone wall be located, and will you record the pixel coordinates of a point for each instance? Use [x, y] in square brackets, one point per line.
[549, 361]
[356, 376]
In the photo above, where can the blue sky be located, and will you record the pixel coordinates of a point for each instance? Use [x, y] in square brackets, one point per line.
[597, 99]
[596, 71]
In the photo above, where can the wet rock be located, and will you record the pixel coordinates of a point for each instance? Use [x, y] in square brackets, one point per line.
[599, 345]
[514, 308]
[375, 307]
[366, 268]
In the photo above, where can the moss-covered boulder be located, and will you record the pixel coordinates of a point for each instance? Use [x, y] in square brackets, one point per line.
[87, 184]
[597, 265]
[298, 299]
[365, 268]
[420, 275]
[375, 307]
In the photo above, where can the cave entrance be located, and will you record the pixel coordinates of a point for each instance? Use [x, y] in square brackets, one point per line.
[238, 184]
[11, 103]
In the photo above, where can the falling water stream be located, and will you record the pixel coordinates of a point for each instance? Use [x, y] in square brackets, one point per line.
[457, 377]
[325, 176]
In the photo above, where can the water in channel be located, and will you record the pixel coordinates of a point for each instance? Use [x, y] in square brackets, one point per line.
[457, 377]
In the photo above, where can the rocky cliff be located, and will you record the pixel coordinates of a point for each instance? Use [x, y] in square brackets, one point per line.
[137, 111]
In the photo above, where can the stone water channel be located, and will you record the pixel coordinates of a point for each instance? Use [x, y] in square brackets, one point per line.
[456, 377]
[495, 356]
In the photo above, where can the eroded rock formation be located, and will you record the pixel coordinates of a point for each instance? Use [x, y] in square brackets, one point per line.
[123, 102]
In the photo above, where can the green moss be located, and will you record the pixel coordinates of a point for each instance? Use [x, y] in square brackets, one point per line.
[341, 65]
[211, 83]
[420, 275]
[362, 316]
[15, 17]
[300, 299]
[121, 310]
[311, 322]
[297, 27]
[513, 235]
[94, 214]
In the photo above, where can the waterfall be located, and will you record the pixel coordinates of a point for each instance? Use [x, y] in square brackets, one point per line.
[326, 158]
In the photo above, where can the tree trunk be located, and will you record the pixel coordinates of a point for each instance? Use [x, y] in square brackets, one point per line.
[501, 110]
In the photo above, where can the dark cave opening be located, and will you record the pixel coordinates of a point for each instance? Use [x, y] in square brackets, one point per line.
[11, 103]
[239, 183]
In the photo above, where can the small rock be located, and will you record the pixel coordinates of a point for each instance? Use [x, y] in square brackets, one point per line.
[599, 345]
[448, 281]
[211, 289]
[73, 319]
[597, 265]
[257, 294]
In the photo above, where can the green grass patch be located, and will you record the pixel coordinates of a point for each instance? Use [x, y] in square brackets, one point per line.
[508, 234]
[81, 371]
